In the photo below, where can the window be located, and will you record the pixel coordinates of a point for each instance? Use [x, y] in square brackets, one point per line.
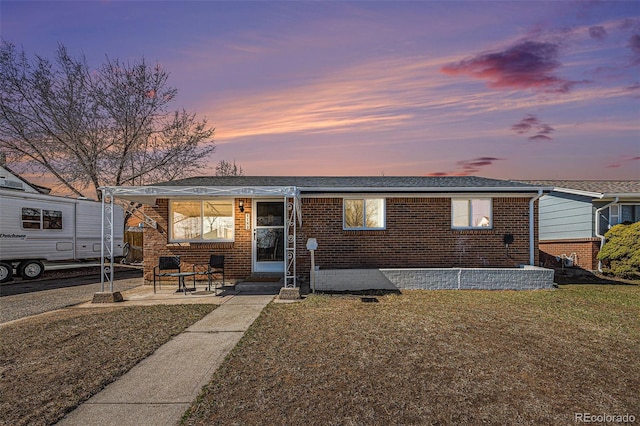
[471, 213]
[622, 213]
[41, 219]
[202, 220]
[364, 213]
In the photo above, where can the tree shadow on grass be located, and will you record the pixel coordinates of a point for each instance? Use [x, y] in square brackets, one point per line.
[582, 276]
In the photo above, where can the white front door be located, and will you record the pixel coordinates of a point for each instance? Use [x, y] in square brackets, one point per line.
[268, 235]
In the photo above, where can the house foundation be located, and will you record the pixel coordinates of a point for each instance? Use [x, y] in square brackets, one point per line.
[524, 278]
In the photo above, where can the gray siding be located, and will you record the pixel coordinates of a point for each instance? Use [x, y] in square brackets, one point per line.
[565, 216]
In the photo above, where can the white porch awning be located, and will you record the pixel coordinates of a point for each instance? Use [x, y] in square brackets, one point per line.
[149, 194]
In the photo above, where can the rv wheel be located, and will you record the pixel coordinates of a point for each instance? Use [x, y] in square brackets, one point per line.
[6, 272]
[30, 269]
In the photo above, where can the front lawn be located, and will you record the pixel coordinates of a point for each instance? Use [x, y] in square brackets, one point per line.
[51, 363]
[434, 357]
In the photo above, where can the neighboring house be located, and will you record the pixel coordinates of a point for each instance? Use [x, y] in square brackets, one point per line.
[262, 224]
[575, 216]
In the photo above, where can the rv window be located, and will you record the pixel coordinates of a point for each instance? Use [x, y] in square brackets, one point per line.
[52, 219]
[31, 218]
[41, 219]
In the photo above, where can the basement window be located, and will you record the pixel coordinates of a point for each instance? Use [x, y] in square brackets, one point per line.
[471, 213]
[210, 220]
[363, 213]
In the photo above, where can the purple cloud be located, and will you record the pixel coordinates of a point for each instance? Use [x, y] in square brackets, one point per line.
[621, 162]
[527, 65]
[531, 122]
[540, 138]
[468, 167]
[634, 45]
[598, 32]
[525, 124]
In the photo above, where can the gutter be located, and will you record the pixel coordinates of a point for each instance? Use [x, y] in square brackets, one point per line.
[598, 234]
[532, 245]
[439, 189]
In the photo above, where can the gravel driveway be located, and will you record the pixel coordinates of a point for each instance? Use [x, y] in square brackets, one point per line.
[19, 300]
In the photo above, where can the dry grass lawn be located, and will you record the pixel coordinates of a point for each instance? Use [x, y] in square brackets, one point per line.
[434, 357]
[51, 363]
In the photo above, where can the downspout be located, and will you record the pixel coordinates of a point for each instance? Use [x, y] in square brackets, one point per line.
[598, 234]
[532, 245]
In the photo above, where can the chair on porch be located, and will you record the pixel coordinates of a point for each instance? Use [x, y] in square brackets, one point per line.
[215, 266]
[166, 266]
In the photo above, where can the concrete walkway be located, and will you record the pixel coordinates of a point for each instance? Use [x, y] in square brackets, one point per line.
[159, 390]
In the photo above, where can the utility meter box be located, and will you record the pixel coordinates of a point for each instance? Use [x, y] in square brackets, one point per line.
[312, 244]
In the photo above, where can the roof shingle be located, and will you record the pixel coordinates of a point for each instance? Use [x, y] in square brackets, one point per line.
[349, 182]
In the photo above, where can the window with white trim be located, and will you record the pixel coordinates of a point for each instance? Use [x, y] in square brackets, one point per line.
[621, 213]
[363, 213]
[470, 213]
[206, 220]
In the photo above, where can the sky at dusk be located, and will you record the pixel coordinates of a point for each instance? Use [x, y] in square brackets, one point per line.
[511, 90]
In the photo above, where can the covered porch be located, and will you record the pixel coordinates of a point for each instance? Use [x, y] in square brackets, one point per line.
[254, 227]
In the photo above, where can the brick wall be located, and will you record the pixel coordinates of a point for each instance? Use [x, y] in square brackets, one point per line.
[418, 234]
[585, 249]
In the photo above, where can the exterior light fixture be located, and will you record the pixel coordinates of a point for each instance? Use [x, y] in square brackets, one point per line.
[241, 205]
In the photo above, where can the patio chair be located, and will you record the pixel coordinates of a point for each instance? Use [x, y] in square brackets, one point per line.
[168, 264]
[215, 266]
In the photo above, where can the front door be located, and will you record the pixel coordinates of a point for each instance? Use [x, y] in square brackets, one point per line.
[268, 236]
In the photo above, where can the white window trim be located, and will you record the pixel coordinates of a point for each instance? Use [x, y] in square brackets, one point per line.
[618, 214]
[365, 228]
[201, 240]
[470, 218]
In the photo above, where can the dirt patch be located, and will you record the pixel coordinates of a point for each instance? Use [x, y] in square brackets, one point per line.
[51, 363]
[434, 357]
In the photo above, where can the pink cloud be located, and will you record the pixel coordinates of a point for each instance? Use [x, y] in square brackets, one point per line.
[527, 65]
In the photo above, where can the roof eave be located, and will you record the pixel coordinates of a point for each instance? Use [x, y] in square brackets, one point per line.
[429, 189]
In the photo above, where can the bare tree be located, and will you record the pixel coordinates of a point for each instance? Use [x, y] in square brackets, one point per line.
[225, 168]
[90, 128]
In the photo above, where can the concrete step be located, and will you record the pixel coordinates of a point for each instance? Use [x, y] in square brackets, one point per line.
[259, 287]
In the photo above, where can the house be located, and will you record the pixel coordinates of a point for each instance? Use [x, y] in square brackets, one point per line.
[261, 224]
[575, 216]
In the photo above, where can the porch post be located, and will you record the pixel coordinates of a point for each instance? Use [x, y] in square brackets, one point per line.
[106, 250]
[290, 245]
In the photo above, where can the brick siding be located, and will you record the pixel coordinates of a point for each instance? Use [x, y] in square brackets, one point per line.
[585, 249]
[237, 253]
[418, 234]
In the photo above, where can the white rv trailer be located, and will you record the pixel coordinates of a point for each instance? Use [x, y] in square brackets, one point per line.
[36, 227]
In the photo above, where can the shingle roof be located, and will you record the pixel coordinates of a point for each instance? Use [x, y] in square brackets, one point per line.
[310, 183]
[596, 186]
